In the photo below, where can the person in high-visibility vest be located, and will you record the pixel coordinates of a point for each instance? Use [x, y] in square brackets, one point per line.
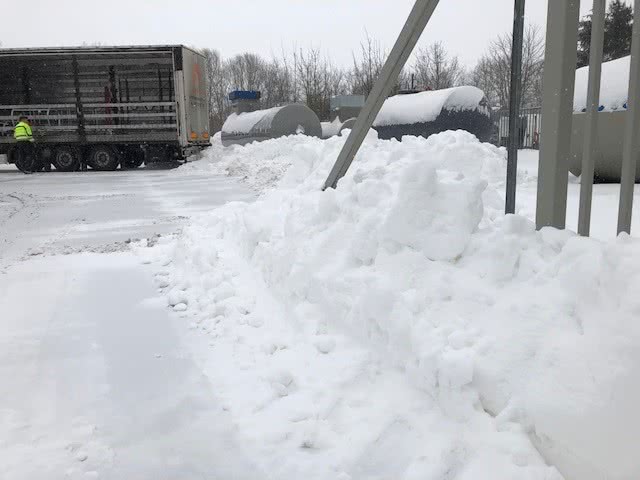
[23, 132]
[27, 160]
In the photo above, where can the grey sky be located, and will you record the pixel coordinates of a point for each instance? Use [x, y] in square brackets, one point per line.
[261, 26]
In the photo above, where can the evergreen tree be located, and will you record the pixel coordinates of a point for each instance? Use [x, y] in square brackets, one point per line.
[618, 27]
[617, 33]
[584, 41]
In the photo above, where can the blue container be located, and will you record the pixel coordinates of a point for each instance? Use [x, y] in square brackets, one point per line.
[244, 95]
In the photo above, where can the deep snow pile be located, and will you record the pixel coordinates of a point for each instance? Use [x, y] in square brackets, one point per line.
[614, 85]
[401, 327]
[259, 164]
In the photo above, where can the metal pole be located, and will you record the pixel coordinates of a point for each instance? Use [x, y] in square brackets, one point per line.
[631, 138]
[590, 146]
[557, 110]
[514, 105]
[409, 36]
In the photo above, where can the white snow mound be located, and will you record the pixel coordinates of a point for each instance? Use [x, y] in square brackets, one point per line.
[426, 106]
[400, 327]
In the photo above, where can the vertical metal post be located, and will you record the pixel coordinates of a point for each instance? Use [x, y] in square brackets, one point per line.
[557, 111]
[409, 36]
[79, 107]
[590, 145]
[514, 106]
[631, 137]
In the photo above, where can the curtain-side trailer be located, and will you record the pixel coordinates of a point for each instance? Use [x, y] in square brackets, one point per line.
[105, 106]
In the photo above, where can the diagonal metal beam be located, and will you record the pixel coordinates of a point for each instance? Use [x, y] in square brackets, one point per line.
[409, 36]
[631, 140]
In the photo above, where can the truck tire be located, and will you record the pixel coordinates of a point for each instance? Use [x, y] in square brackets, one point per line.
[66, 159]
[133, 158]
[26, 163]
[103, 158]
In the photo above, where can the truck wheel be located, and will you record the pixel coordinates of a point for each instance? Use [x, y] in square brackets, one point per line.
[133, 158]
[66, 159]
[103, 158]
[25, 163]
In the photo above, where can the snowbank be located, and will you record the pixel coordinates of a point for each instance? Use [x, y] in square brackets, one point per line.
[245, 122]
[426, 106]
[331, 129]
[614, 86]
[401, 327]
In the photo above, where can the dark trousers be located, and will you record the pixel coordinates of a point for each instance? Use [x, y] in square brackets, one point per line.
[25, 156]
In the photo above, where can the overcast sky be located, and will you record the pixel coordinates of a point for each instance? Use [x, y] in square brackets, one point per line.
[261, 26]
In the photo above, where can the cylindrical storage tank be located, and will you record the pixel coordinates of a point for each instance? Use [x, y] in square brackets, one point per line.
[609, 140]
[426, 113]
[294, 119]
[612, 117]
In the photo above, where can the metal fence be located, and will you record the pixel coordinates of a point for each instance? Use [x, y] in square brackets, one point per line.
[557, 115]
[529, 127]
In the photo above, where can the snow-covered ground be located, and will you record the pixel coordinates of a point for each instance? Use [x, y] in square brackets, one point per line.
[400, 326]
[95, 382]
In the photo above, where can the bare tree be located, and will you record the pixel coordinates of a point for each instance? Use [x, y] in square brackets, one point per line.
[246, 71]
[367, 67]
[482, 76]
[436, 69]
[217, 89]
[493, 71]
[318, 80]
[278, 83]
[303, 75]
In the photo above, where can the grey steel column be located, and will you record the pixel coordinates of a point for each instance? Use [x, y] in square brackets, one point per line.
[409, 36]
[557, 111]
[631, 136]
[590, 146]
[514, 106]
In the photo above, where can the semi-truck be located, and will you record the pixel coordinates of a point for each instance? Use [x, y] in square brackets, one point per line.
[105, 107]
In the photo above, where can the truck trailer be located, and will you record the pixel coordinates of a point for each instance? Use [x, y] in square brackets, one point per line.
[105, 107]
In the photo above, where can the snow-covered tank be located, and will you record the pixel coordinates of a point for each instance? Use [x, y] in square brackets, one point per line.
[612, 118]
[260, 125]
[426, 113]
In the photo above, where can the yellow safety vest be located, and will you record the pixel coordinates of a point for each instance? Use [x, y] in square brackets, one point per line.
[22, 132]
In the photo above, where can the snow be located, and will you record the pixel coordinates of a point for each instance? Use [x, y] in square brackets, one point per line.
[401, 326]
[245, 122]
[426, 106]
[95, 378]
[330, 129]
[177, 325]
[614, 85]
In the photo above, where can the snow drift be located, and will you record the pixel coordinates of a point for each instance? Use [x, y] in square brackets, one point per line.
[401, 327]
